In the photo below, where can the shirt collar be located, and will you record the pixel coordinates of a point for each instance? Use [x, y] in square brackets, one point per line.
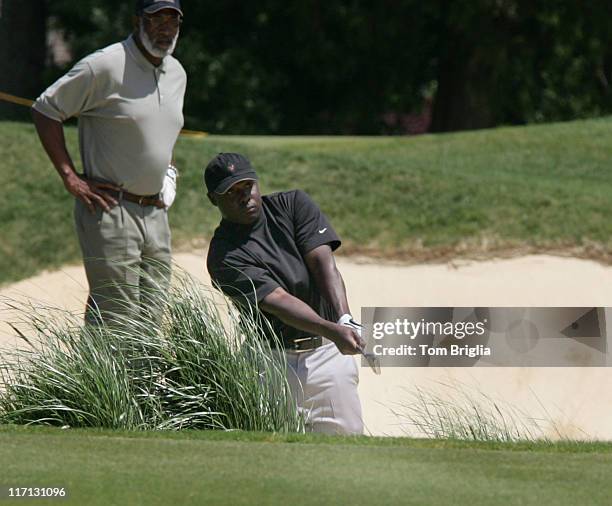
[140, 58]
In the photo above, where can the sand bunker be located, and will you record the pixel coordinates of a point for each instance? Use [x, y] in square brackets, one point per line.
[572, 402]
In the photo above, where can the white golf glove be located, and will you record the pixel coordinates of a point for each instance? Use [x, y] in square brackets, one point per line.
[347, 321]
[168, 191]
[372, 360]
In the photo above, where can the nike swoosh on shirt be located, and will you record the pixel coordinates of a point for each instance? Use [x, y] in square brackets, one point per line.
[323, 230]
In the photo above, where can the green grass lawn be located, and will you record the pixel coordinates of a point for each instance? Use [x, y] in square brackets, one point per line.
[107, 468]
[417, 198]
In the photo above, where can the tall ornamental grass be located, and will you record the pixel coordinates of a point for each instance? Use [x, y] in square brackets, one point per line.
[457, 411]
[191, 362]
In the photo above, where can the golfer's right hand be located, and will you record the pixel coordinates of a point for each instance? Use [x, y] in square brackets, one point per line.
[91, 193]
[347, 340]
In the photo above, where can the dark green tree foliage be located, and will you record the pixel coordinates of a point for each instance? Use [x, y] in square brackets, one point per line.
[345, 66]
[22, 50]
[302, 67]
[571, 61]
[512, 62]
[92, 24]
[290, 67]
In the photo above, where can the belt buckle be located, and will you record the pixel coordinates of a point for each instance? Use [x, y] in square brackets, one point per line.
[140, 200]
[294, 348]
[295, 345]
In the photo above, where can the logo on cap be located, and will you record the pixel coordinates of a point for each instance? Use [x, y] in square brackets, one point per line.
[231, 167]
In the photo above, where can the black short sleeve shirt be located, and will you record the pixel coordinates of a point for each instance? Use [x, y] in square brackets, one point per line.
[248, 262]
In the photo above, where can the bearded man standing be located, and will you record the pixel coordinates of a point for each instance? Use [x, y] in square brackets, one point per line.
[129, 100]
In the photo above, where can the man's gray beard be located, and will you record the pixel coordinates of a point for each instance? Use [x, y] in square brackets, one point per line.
[151, 49]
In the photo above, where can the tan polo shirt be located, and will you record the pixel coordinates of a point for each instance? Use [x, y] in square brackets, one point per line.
[130, 114]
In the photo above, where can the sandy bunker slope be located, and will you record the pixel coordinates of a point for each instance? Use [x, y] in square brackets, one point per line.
[577, 400]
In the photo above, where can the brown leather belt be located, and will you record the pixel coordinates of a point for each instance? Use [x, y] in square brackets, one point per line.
[143, 200]
[303, 344]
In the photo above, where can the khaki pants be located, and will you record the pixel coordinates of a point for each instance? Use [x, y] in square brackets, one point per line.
[324, 385]
[127, 255]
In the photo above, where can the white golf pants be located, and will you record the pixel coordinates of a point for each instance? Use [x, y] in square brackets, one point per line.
[324, 385]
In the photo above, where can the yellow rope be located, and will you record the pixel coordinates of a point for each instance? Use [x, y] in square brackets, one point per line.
[193, 133]
[28, 103]
[15, 100]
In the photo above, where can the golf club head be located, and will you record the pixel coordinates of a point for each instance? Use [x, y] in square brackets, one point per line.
[372, 361]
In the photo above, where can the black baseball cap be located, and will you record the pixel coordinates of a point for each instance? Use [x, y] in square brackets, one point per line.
[227, 169]
[151, 6]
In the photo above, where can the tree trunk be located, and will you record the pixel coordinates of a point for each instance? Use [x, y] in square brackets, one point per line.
[466, 96]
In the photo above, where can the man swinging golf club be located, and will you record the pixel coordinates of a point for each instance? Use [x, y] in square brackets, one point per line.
[274, 254]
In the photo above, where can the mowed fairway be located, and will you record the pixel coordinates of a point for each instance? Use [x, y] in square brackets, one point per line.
[108, 468]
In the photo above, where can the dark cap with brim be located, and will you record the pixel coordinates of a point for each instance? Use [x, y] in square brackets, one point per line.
[227, 169]
[152, 6]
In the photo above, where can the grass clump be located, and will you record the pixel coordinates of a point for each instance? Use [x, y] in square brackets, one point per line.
[188, 365]
[457, 411]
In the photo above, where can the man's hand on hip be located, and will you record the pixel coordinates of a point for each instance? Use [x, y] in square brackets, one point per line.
[92, 193]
